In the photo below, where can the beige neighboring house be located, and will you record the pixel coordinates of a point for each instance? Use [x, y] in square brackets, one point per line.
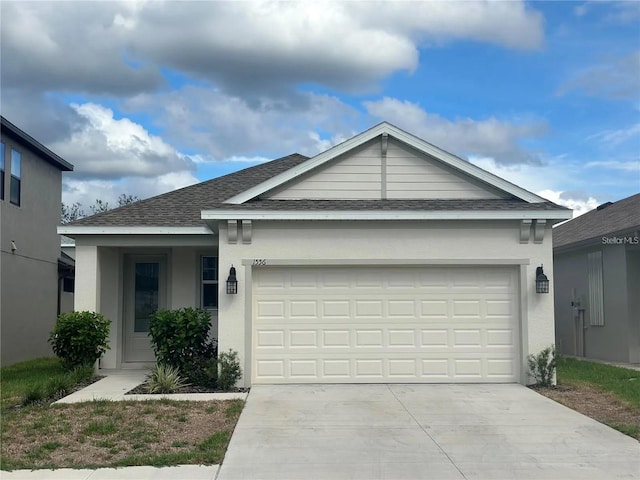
[31, 262]
[383, 259]
[597, 290]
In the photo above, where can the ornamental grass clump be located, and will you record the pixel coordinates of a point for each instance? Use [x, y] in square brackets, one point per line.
[164, 379]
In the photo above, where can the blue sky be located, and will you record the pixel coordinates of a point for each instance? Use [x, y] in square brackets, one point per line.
[145, 97]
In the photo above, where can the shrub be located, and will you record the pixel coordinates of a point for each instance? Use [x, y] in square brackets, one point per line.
[210, 377]
[80, 338]
[180, 339]
[542, 366]
[164, 379]
[229, 371]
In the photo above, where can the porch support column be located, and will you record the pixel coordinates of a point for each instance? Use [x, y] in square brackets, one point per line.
[87, 288]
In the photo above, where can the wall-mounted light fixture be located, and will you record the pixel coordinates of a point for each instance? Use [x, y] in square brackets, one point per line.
[232, 282]
[542, 282]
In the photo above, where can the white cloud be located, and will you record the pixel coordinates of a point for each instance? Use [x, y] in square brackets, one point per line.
[105, 147]
[226, 125]
[489, 137]
[616, 137]
[510, 24]
[579, 206]
[86, 192]
[345, 45]
[611, 11]
[633, 166]
[616, 76]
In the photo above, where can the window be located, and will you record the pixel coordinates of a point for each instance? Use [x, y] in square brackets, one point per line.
[596, 294]
[209, 282]
[1, 170]
[16, 160]
[68, 284]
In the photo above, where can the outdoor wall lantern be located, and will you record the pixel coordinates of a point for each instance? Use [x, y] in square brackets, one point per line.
[232, 282]
[542, 282]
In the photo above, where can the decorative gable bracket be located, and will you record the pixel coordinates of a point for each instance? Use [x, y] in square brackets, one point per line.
[538, 230]
[233, 231]
[525, 230]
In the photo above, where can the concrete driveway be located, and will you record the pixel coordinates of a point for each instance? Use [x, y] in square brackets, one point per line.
[416, 432]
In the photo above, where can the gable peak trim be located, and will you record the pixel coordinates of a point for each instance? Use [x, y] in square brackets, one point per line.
[381, 129]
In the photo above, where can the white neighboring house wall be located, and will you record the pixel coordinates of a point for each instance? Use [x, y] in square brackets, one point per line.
[431, 242]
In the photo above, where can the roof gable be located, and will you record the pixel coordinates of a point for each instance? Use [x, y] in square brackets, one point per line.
[384, 168]
[451, 164]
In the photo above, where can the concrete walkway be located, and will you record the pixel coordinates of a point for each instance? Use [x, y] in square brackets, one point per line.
[417, 432]
[183, 472]
[114, 386]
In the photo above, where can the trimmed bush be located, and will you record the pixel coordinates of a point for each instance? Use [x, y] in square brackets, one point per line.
[80, 338]
[180, 339]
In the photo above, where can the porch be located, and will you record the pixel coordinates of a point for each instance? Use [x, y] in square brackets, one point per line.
[126, 278]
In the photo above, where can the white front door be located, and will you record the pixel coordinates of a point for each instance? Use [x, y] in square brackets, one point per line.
[385, 324]
[145, 292]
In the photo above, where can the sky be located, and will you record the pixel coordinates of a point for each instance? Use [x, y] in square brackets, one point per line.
[145, 97]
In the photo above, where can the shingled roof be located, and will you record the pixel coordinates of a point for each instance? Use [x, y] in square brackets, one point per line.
[183, 207]
[610, 218]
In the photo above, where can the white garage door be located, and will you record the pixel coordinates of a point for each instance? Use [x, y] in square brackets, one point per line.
[385, 325]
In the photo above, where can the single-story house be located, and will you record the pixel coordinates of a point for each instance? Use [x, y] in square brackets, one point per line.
[596, 260]
[382, 259]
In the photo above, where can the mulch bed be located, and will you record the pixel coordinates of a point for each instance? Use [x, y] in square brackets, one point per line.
[142, 390]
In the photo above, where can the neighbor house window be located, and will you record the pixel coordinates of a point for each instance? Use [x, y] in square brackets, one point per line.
[596, 289]
[1, 170]
[209, 282]
[16, 167]
[68, 284]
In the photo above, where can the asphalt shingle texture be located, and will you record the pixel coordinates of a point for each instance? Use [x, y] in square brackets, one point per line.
[183, 207]
[621, 216]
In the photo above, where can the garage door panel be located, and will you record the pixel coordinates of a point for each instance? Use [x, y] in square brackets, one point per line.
[402, 368]
[362, 325]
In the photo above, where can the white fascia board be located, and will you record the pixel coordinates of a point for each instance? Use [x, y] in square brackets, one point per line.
[139, 230]
[386, 215]
[393, 131]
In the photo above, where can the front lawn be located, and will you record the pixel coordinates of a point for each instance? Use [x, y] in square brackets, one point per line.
[608, 394]
[103, 433]
[19, 379]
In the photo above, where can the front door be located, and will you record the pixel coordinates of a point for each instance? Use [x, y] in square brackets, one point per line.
[145, 292]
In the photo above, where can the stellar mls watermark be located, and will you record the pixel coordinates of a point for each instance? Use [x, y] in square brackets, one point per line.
[628, 240]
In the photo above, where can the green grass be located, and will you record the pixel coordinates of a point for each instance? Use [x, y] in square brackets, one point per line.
[624, 383]
[39, 380]
[234, 409]
[16, 381]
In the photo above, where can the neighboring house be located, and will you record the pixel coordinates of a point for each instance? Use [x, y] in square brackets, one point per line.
[597, 289]
[383, 259]
[30, 199]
